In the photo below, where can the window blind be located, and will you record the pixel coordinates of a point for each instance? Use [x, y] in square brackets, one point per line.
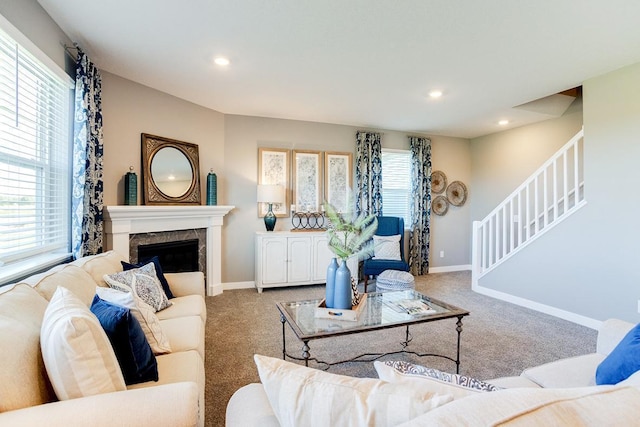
[34, 155]
[396, 184]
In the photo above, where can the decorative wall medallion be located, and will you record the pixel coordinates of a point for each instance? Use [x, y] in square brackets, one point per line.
[457, 193]
[438, 182]
[440, 205]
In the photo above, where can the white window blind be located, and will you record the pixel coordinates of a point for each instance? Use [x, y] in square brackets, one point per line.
[34, 155]
[396, 184]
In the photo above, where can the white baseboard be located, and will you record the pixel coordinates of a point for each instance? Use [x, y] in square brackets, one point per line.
[239, 285]
[543, 308]
[450, 268]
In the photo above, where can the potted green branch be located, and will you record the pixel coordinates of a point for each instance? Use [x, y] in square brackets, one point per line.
[349, 235]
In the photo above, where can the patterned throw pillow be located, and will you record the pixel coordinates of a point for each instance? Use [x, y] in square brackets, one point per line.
[386, 247]
[145, 314]
[144, 283]
[433, 379]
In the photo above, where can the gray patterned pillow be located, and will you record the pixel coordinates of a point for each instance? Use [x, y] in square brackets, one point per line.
[143, 282]
[407, 368]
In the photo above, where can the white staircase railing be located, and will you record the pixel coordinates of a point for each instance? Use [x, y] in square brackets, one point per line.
[548, 196]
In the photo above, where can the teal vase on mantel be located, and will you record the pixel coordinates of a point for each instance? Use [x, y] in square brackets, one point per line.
[331, 280]
[342, 292]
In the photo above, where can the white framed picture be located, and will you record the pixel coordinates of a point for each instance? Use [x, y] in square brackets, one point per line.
[338, 176]
[307, 180]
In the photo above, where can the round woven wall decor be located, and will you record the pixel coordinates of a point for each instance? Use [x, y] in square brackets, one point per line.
[457, 193]
[440, 205]
[438, 182]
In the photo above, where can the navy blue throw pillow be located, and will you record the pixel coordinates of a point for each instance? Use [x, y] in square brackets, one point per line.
[137, 362]
[623, 361]
[156, 262]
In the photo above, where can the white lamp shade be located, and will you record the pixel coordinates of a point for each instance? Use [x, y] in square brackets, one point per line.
[271, 193]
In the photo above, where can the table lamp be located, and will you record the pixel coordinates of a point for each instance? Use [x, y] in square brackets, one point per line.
[270, 194]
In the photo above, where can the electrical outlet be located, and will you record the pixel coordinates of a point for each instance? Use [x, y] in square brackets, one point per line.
[442, 256]
[639, 306]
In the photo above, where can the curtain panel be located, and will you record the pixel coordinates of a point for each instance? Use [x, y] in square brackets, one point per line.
[368, 174]
[87, 192]
[420, 205]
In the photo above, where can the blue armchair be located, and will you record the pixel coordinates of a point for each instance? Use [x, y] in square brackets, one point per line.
[387, 226]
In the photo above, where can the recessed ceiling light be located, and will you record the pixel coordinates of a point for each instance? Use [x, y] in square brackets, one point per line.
[221, 61]
[435, 93]
[503, 122]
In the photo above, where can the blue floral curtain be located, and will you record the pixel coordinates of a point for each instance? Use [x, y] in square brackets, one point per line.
[421, 205]
[87, 203]
[368, 174]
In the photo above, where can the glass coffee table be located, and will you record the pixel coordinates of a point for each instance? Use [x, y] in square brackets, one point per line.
[382, 310]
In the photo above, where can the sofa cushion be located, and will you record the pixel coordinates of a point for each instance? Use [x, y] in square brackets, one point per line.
[99, 265]
[576, 371]
[71, 277]
[156, 263]
[430, 379]
[178, 367]
[513, 382]
[76, 351]
[585, 406]
[185, 333]
[148, 320]
[132, 350]
[623, 361]
[189, 305]
[23, 378]
[302, 396]
[143, 282]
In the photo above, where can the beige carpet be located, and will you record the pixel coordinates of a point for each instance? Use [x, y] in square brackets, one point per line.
[498, 338]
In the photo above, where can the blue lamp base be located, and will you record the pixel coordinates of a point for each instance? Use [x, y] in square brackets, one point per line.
[270, 219]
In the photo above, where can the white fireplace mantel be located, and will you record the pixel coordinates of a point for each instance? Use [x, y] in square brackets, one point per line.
[121, 221]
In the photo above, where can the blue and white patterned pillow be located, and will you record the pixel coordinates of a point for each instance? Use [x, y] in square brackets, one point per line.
[406, 368]
[143, 282]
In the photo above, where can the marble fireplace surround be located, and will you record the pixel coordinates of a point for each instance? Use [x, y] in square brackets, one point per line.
[123, 221]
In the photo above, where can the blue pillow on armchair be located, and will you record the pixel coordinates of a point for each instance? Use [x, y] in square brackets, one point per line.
[156, 263]
[623, 361]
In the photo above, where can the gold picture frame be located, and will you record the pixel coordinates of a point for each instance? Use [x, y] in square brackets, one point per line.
[273, 168]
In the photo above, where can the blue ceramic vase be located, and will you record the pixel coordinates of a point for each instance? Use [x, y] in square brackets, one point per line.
[331, 281]
[342, 292]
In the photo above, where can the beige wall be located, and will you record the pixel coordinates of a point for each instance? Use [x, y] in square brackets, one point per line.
[229, 144]
[130, 109]
[243, 136]
[588, 264]
[32, 21]
[503, 160]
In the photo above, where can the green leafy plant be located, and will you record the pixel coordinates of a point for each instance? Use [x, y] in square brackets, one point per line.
[349, 235]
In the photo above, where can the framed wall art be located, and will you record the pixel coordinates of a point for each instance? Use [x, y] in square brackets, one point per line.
[338, 179]
[273, 168]
[307, 181]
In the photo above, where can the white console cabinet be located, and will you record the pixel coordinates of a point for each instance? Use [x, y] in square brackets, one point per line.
[287, 258]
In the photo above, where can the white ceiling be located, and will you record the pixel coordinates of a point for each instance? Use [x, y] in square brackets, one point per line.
[368, 63]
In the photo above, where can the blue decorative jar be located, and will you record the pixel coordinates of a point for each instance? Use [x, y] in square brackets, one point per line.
[331, 281]
[342, 292]
[212, 189]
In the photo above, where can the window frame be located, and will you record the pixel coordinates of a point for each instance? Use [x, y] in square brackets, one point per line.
[408, 210]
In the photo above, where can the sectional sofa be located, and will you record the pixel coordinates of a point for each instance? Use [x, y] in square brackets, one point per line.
[27, 397]
[558, 393]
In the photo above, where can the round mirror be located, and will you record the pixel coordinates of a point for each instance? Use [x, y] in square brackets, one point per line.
[171, 171]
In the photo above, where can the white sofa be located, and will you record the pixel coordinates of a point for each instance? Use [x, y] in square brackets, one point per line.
[557, 393]
[26, 395]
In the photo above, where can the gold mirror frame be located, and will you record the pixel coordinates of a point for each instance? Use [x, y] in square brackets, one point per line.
[152, 195]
